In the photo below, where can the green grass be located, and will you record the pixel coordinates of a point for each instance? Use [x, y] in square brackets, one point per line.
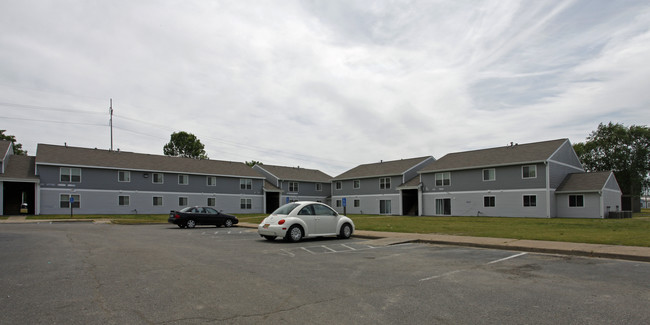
[629, 232]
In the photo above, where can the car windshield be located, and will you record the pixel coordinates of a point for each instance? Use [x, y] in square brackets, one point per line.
[286, 209]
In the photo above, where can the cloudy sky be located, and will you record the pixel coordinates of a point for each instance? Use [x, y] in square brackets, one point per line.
[321, 84]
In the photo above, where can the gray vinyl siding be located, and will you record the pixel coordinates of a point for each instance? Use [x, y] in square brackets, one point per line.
[506, 178]
[567, 155]
[269, 177]
[507, 203]
[368, 186]
[306, 192]
[368, 204]
[591, 208]
[558, 173]
[409, 174]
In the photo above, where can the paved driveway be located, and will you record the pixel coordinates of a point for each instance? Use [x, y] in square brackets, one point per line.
[85, 273]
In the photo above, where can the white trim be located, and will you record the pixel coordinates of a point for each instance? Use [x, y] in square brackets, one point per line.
[566, 165]
[484, 191]
[59, 189]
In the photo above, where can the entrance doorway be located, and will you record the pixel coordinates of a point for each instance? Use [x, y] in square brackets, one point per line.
[410, 202]
[272, 201]
[15, 194]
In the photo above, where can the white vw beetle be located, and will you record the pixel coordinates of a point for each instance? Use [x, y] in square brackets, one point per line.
[297, 220]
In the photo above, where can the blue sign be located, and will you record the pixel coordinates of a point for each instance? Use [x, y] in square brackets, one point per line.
[344, 202]
[71, 199]
[287, 199]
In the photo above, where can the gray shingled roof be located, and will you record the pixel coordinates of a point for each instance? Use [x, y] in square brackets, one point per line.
[500, 156]
[584, 182]
[297, 173]
[410, 184]
[385, 168]
[4, 147]
[74, 156]
[270, 187]
[20, 167]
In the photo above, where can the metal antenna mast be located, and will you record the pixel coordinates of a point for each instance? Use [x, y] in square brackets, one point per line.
[111, 122]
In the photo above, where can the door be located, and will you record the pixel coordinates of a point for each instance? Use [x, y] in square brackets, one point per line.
[443, 207]
[308, 216]
[326, 219]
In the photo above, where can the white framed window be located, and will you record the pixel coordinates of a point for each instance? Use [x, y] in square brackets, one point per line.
[293, 186]
[338, 185]
[123, 200]
[157, 200]
[443, 179]
[183, 179]
[339, 203]
[356, 184]
[357, 203]
[124, 176]
[70, 175]
[212, 201]
[384, 183]
[576, 201]
[157, 178]
[182, 201]
[529, 171]
[530, 200]
[246, 204]
[245, 183]
[211, 180]
[65, 200]
[319, 187]
[489, 174]
[489, 201]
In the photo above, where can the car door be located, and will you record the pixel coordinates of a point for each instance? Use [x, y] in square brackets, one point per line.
[326, 219]
[307, 215]
[213, 216]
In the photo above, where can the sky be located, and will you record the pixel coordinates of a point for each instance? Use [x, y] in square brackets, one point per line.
[321, 84]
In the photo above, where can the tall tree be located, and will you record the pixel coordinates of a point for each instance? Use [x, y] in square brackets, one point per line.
[253, 163]
[18, 148]
[626, 151]
[183, 144]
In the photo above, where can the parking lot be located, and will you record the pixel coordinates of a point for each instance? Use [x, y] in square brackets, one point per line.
[85, 273]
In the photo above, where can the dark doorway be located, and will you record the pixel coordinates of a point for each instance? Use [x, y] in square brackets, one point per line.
[16, 193]
[410, 202]
[272, 201]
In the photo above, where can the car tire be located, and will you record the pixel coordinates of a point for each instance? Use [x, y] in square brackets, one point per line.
[190, 223]
[270, 238]
[346, 231]
[294, 234]
[228, 223]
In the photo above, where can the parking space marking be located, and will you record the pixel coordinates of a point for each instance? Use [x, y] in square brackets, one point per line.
[507, 258]
[348, 247]
[466, 269]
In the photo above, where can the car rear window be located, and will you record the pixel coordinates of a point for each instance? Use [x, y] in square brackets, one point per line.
[286, 209]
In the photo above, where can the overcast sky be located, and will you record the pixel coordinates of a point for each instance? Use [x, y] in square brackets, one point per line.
[321, 84]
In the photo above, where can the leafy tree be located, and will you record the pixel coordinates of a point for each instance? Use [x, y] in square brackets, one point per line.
[18, 148]
[626, 151]
[253, 163]
[183, 144]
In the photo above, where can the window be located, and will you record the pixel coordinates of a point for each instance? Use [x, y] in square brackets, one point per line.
[384, 206]
[489, 174]
[293, 186]
[443, 207]
[212, 180]
[530, 200]
[157, 200]
[384, 183]
[246, 204]
[443, 179]
[489, 201]
[338, 185]
[70, 175]
[357, 203]
[338, 203]
[576, 201]
[157, 178]
[124, 176]
[183, 179]
[321, 210]
[319, 187]
[245, 184]
[65, 200]
[182, 201]
[123, 200]
[212, 201]
[529, 171]
[356, 184]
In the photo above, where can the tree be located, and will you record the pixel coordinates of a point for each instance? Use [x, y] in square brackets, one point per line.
[18, 148]
[626, 151]
[183, 144]
[253, 163]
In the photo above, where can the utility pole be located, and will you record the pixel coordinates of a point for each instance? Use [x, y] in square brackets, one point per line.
[111, 122]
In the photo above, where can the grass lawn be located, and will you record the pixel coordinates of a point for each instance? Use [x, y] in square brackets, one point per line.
[630, 232]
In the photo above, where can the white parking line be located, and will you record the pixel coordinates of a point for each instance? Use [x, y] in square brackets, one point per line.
[307, 250]
[331, 250]
[507, 258]
[440, 276]
[348, 247]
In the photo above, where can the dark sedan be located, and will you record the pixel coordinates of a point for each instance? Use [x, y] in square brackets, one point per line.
[193, 216]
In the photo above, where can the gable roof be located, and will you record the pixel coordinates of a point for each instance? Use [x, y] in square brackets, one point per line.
[296, 173]
[98, 158]
[20, 167]
[383, 168]
[499, 156]
[4, 148]
[584, 182]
